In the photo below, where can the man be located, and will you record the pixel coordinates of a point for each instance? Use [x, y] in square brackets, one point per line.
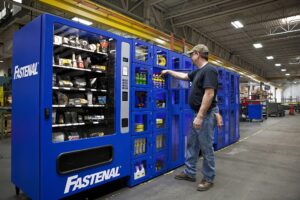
[202, 99]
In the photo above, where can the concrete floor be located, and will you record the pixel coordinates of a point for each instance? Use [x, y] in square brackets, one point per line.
[264, 164]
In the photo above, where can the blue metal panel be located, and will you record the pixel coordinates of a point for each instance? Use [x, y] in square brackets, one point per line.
[187, 121]
[142, 52]
[176, 140]
[25, 109]
[187, 63]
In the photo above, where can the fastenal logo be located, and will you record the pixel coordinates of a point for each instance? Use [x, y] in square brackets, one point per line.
[26, 71]
[75, 183]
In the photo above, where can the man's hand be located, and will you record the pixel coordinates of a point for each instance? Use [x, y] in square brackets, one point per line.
[197, 122]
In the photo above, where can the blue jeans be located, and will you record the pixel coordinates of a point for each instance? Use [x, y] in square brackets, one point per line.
[202, 139]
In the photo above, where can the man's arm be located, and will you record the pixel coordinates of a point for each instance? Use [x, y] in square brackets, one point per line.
[177, 75]
[205, 105]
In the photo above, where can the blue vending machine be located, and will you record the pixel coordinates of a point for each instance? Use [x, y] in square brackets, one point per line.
[70, 84]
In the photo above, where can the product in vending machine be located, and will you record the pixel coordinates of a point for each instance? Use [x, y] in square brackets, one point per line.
[137, 172]
[61, 119]
[68, 118]
[73, 136]
[143, 172]
[54, 79]
[57, 40]
[137, 78]
[84, 44]
[66, 40]
[80, 62]
[92, 47]
[74, 117]
[144, 78]
[77, 42]
[144, 145]
[87, 63]
[104, 46]
[89, 96]
[58, 137]
[53, 117]
[72, 40]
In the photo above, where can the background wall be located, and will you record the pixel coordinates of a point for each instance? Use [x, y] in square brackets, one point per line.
[291, 90]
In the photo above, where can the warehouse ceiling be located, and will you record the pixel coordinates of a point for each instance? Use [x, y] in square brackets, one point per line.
[268, 22]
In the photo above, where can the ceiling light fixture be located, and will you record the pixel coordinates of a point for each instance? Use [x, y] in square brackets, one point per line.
[283, 70]
[1, 61]
[287, 74]
[258, 45]
[270, 57]
[292, 19]
[277, 64]
[82, 21]
[237, 24]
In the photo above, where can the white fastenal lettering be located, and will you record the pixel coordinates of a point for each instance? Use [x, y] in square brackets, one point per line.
[75, 183]
[26, 71]
[70, 182]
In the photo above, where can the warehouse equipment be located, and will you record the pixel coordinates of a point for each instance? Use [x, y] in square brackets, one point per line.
[276, 109]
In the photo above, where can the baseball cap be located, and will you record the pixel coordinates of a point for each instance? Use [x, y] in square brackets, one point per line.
[199, 48]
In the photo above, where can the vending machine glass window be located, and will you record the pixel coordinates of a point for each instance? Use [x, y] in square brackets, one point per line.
[83, 84]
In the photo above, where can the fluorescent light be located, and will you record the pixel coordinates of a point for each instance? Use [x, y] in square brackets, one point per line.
[1, 61]
[160, 41]
[258, 45]
[283, 70]
[292, 19]
[237, 24]
[287, 74]
[270, 57]
[18, 1]
[82, 21]
[277, 64]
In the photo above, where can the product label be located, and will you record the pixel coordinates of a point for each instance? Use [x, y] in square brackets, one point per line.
[26, 71]
[75, 182]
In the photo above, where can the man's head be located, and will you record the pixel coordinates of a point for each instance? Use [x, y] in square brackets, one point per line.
[199, 54]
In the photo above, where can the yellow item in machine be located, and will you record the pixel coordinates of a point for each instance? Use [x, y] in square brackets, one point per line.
[159, 121]
[99, 67]
[139, 127]
[161, 60]
[65, 62]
